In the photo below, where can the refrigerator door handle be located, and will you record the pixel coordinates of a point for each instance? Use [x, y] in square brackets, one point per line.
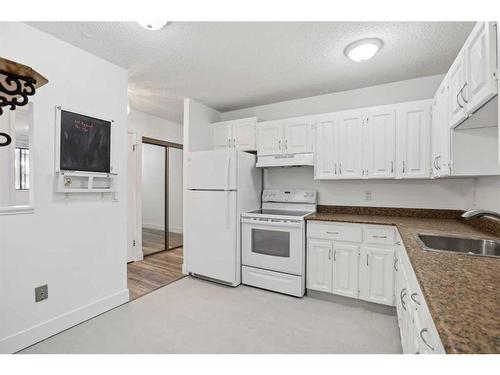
[228, 160]
[228, 203]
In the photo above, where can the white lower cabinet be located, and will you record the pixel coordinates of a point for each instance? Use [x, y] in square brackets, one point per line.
[347, 272]
[345, 269]
[376, 274]
[319, 265]
[369, 262]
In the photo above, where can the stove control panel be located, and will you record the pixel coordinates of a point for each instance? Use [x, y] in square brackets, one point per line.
[289, 196]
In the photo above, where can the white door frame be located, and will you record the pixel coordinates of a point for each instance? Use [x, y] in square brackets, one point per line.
[134, 190]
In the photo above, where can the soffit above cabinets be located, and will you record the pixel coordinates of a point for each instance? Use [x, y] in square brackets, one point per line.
[231, 65]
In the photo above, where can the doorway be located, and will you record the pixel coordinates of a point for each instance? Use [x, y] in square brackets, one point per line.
[161, 196]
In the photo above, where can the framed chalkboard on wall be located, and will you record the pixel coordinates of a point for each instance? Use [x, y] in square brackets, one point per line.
[84, 143]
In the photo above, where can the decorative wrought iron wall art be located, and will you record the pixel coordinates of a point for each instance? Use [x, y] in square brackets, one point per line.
[15, 89]
[17, 83]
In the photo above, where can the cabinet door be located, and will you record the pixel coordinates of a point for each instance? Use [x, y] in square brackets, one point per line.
[345, 269]
[270, 137]
[456, 76]
[221, 135]
[350, 144]
[243, 132]
[377, 274]
[480, 64]
[380, 147]
[325, 163]
[441, 132]
[413, 139]
[298, 136]
[319, 265]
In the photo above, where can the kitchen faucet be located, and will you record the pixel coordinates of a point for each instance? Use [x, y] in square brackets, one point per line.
[480, 213]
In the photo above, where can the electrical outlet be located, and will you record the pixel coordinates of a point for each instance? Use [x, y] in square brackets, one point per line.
[368, 195]
[41, 293]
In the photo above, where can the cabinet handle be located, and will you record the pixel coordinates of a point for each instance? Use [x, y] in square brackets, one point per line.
[366, 259]
[335, 167]
[234, 142]
[402, 295]
[398, 243]
[340, 168]
[279, 144]
[437, 162]
[434, 163]
[404, 166]
[336, 233]
[462, 93]
[413, 297]
[392, 166]
[458, 101]
[229, 143]
[286, 144]
[329, 254]
[377, 236]
[335, 255]
[424, 340]
[396, 263]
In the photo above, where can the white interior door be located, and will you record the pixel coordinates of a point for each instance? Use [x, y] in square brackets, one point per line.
[381, 143]
[132, 199]
[210, 235]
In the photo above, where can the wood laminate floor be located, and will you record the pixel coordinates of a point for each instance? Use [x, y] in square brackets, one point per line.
[153, 240]
[153, 272]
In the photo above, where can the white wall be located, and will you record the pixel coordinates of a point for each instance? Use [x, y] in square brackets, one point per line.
[153, 186]
[175, 173]
[75, 244]
[487, 193]
[444, 193]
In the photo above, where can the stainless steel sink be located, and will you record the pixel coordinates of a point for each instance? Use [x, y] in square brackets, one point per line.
[459, 245]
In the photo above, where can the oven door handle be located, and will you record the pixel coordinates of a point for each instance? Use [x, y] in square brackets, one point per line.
[275, 223]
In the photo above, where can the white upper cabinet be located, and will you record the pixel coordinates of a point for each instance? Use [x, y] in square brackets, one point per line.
[237, 134]
[413, 139]
[290, 136]
[350, 157]
[221, 135]
[480, 66]
[326, 135]
[345, 269]
[243, 132]
[377, 274]
[319, 265]
[270, 137]
[441, 133]
[298, 135]
[456, 77]
[380, 143]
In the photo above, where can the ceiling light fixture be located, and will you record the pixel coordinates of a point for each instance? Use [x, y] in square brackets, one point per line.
[363, 50]
[152, 25]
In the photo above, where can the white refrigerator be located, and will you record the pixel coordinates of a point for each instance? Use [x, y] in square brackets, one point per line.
[220, 185]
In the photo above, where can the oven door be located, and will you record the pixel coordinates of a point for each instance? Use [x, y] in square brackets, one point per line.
[273, 245]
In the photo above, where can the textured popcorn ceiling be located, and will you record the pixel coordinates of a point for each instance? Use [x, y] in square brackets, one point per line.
[232, 65]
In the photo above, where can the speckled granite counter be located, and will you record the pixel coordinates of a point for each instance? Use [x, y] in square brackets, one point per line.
[462, 291]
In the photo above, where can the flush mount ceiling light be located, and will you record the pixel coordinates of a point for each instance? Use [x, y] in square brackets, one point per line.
[152, 25]
[363, 50]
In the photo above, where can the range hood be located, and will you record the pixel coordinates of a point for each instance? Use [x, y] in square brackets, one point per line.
[292, 160]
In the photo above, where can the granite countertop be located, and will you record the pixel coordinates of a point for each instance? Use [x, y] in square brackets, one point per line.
[462, 291]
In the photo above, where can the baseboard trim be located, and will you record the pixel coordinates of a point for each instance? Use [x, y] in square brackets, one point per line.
[39, 332]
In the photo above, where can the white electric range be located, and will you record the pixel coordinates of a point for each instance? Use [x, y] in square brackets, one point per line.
[273, 241]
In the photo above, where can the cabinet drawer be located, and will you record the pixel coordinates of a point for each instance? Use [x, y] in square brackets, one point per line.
[336, 232]
[380, 236]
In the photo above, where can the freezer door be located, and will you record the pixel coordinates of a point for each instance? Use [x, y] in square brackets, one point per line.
[211, 248]
[212, 170]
